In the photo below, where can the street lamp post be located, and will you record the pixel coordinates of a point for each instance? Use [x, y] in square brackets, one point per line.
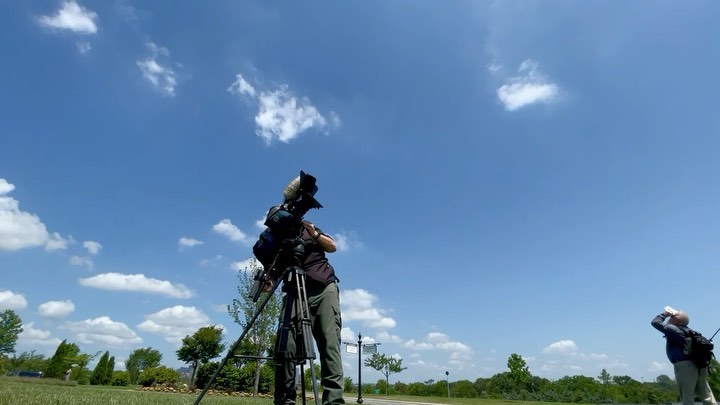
[359, 398]
[447, 380]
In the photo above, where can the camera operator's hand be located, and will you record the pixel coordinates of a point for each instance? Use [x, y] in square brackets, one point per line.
[311, 228]
[269, 284]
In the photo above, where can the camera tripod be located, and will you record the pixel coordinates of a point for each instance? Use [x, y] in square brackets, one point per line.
[295, 309]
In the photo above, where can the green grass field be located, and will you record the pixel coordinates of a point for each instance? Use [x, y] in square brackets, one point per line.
[38, 392]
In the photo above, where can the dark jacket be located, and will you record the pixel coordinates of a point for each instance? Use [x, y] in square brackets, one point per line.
[675, 338]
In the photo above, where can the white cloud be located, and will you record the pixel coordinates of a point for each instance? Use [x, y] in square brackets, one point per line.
[241, 86]
[73, 17]
[211, 261]
[175, 323]
[245, 265]
[103, 331]
[11, 300]
[186, 242]
[83, 47]
[232, 232]
[341, 241]
[31, 337]
[281, 115]
[18, 229]
[437, 341]
[561, 347]
[81, 261]
[56, 309]
[92, 247]
[529, 88]
[56, 242]
[157, 72]
[658, 367]
[136, 282]
[358, 305]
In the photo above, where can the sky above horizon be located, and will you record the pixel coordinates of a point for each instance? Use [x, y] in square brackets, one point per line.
[501, 177]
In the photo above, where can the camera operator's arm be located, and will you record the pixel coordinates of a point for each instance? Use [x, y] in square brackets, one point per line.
[325, 241]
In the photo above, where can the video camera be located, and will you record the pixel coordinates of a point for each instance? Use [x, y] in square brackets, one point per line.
[279, 246]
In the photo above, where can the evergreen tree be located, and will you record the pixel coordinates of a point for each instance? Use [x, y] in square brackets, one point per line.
[100, 372]
[109, 371]
[62, 359]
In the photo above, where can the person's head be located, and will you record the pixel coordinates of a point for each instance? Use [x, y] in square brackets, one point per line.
[681, 318]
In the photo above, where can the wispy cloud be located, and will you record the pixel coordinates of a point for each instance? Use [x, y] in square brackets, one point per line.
[527, 88]
[225, 227]
[73, 17]
[281, 115]
[157, 71]
[136, 282]
[92, 247]
[82, 261]
[186, 242]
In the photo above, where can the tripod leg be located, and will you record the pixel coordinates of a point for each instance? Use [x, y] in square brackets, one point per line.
[236, 344]
[285, 354]
[304, 317]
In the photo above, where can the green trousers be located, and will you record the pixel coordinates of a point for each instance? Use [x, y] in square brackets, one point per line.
[324, 305]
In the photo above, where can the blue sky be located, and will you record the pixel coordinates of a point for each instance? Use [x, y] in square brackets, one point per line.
[502, 177]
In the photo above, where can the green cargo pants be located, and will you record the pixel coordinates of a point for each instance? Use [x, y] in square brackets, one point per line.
[324, 305]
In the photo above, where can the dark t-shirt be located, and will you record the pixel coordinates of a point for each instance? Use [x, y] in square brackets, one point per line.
[316, 265]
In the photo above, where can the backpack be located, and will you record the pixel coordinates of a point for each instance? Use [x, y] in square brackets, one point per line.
[700, 349]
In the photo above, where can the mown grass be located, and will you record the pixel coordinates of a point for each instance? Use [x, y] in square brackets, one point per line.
[36, 393]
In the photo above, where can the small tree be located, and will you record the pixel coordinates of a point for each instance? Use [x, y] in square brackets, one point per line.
[10, 328]
[100, 372]
[386, 365]
[519, 372]
[142, 359]
[262, 333]
[604, 377]
[203, 345]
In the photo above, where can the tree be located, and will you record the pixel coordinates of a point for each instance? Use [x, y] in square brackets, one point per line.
[385, 365]
[100, 372]
[261, 335]
[604, 377]
[141, 359]
[10, 328]
[519, 372]
[203, 345]
[109, 371]
[62, 359]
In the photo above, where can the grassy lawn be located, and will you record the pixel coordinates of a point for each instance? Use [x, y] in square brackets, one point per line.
[15, 391]
[32, 393]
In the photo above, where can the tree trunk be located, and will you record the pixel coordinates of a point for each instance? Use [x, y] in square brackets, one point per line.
[192, 376]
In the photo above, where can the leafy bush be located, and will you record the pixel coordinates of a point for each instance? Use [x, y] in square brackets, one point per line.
[120, 378]
[158, 376]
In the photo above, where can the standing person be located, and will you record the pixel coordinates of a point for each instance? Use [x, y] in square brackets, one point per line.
[323, 298]
[691, 380]
[66, 377]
